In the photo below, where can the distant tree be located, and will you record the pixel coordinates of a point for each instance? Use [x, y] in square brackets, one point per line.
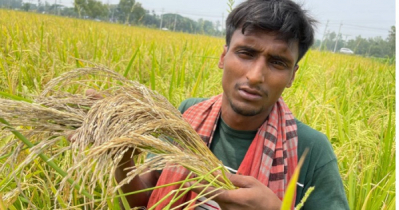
[329, 42]
[200, 26]
[39, 3]
[96, 9]
[92, 8]
[150, 20]
[218, 26]
[40, 7]
[137, 14]
[80, 6]
[26, 6]
[125, 7]
[168, 21]
[376, 47]
[13, 4]
[188, 25]
[52, 8]
[316, 44]
[208, 27]
[46, 7]
[391, 41]
[69, 12]
[112, 10]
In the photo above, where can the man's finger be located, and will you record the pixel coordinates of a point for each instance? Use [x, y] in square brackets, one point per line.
[93, 94]
[70, 136]
[241, 181]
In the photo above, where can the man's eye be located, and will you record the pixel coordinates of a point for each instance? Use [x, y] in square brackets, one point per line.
[278, 63]
[245, 54]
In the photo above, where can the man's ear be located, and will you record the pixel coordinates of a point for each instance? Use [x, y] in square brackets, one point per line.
[221, 59]
[293, 76]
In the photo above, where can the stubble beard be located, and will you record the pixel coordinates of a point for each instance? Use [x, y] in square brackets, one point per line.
[243, 112]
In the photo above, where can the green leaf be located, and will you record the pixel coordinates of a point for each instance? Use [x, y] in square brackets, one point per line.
[290, 192]
[14, 97]
[128, 67]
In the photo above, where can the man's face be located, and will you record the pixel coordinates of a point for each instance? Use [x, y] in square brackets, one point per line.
[257, 68]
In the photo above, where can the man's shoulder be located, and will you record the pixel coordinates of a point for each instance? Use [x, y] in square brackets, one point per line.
[318, 144]
[190, 102]
[309, 134]
[319, 170]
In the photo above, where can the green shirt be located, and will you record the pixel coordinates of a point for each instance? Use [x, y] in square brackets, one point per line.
[320, 168]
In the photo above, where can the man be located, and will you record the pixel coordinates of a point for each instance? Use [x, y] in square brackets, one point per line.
[248, 126]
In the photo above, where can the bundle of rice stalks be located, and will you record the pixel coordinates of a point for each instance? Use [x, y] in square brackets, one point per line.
[127, 116]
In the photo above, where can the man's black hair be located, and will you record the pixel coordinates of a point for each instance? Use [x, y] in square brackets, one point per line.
[285, 17]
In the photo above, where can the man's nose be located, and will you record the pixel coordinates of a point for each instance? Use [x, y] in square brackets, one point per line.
[256, 72]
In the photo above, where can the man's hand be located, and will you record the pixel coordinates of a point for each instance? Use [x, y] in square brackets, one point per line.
[252, 194]
[93, 94]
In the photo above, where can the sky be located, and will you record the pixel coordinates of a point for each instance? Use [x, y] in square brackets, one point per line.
[368, 18]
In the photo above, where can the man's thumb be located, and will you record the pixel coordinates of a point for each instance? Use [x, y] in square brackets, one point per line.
[241, 181]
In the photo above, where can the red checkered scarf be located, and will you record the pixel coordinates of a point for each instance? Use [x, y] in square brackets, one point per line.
[271, 157]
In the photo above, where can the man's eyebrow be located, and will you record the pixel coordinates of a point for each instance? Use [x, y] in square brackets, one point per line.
[247, 48]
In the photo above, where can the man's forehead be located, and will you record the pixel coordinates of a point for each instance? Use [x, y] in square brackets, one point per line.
[248, 34]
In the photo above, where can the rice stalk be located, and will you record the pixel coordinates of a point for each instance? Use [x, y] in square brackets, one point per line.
[289, 198]
[20, 113]
[128, 116]
[36, 150]
[303, 200]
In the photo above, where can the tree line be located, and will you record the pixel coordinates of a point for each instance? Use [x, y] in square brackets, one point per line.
[131, 12]
[125, 12]
[372, 47]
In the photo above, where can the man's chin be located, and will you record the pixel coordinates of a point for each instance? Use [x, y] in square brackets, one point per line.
[245, 111]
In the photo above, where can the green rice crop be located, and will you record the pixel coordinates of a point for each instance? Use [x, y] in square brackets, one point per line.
[349, 98]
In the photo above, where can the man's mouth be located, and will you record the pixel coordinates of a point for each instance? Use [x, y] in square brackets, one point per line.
[250, 93]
